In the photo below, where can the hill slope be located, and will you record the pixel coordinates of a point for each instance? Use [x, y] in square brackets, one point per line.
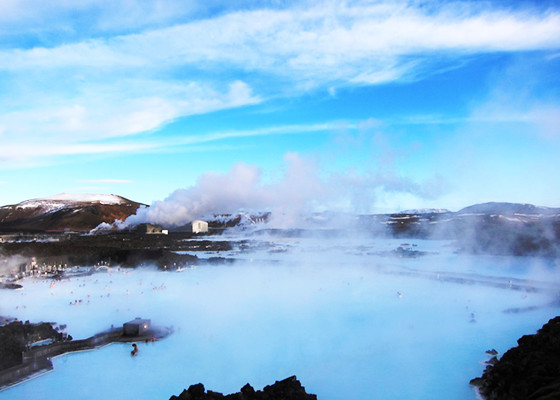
[494, 228]
[79, 213]
[509, 209]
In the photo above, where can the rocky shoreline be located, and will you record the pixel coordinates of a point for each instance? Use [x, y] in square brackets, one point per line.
[287, 389]
[21, 360]
[59, 255]
[530, 371]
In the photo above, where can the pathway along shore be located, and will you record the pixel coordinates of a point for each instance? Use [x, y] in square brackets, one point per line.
[37, 361]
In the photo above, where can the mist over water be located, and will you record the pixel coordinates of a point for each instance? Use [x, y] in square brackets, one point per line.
[346, 315]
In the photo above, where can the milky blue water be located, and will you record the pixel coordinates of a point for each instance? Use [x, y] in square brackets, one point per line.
[350, 320]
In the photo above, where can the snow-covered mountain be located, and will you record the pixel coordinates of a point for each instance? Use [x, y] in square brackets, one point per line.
[497, 228]
[509, 209]
[76, 212]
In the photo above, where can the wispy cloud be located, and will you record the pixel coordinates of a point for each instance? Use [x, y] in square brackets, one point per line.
[523, 94]
[319, 37]
[24, 152]
[543, 118]
[63, 95]
[276, 130]
[118, 181]
[38, 20]
[104, 112]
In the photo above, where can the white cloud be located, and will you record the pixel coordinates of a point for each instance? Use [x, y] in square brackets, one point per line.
[72, 19]
[303, 39]
[29, 153]
[524, 95]
[276, 130]
[103, 112]
[543, 119]
[118, 83]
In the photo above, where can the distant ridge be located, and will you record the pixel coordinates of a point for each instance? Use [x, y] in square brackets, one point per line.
[508, 209]
[425, 211]
[74, 212]
[491, 228]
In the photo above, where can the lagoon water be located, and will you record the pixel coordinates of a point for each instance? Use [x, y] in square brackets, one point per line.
[350, 318]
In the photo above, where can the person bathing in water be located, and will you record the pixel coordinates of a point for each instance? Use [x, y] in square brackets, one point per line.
[134, 350]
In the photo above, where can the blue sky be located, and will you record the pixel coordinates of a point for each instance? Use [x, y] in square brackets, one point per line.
[366, 106]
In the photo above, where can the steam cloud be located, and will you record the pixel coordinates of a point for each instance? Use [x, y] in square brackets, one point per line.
[9, 264]
[301, 189]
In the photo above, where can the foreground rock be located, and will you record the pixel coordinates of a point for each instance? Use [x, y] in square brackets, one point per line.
[530, 371]
[287, 389]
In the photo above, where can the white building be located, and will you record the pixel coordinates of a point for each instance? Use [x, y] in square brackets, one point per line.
[198, 226]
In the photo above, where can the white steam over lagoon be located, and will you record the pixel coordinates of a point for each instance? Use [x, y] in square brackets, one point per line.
[350, 317]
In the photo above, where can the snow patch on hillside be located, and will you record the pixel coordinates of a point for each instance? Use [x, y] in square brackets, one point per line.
[87, 198]
[52, 203]
[60, 201]
[425, 211]
[43, 205]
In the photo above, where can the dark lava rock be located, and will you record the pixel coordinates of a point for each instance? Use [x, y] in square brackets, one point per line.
[126, 249]
[407, 253]
[490, 228]
[530, 371]
[16, 337]
[287, 389]
[492, 361]
[13, 286]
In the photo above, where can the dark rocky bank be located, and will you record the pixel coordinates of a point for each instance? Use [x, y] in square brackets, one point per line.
[487, 232]
[123, 248]
[530, 371]
[16, 337]
[26, 349]
[287, 389]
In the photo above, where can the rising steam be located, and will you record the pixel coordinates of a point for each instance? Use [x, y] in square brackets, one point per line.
[300, 190]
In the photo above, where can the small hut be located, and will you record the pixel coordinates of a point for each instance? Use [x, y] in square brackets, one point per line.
[198, 226]
[136, 327]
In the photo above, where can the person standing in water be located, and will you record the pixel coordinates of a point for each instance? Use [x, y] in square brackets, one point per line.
[134, 349]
